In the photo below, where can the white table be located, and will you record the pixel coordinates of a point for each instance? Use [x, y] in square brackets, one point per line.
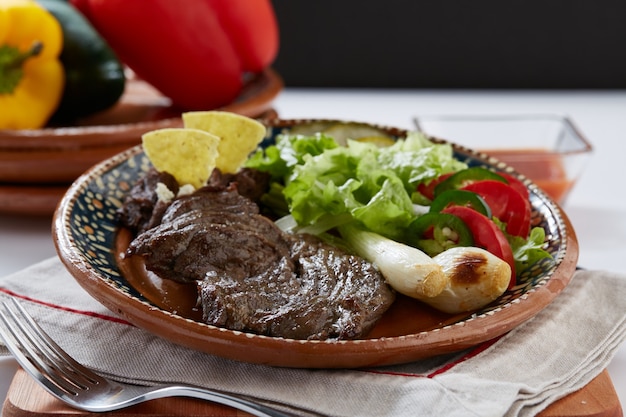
[596, 207]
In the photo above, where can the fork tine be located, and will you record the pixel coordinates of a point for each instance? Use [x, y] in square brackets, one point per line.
[40, 355]
[37, 333]
[29, 362]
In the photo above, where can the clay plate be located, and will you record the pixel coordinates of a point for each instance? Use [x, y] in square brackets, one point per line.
[30, 200]
[87, 239]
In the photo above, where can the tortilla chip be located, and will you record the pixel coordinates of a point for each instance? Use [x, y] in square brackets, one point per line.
[239, 135]
[187, 154]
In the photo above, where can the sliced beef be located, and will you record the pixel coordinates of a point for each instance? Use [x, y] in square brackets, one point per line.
[251, 183]
[320, 292]
[195, 245]
[253, 277]
[211, 199]
[142, 209]
[342, 294]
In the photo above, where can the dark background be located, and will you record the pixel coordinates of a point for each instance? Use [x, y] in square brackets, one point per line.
[534, 44]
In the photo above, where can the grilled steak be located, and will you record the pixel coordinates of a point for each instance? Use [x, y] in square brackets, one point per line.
[142, 209]
[253, 277]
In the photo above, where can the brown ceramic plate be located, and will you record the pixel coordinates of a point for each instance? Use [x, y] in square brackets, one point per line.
[88, 241]
[30, 200]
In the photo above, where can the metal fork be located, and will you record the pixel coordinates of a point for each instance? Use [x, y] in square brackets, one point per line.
[82, 388]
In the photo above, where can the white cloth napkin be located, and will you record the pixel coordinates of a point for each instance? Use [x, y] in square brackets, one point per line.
[558, 352]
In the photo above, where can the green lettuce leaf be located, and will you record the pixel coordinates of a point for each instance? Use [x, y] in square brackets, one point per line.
[287, 152]
[372, 184]
[528, 252]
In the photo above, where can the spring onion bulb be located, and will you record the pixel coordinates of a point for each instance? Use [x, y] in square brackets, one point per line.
[475, 278]
[408, 270]
[457, 280]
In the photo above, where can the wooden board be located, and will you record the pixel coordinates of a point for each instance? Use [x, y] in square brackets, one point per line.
[26, 398]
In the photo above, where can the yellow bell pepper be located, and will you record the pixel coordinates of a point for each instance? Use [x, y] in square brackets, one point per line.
[31, 75]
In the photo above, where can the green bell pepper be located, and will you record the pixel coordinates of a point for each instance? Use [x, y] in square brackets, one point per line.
[94, 76]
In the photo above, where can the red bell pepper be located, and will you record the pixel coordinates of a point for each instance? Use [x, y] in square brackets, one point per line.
[196, 52]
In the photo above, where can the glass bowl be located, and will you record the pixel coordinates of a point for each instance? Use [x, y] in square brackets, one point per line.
[547, 148]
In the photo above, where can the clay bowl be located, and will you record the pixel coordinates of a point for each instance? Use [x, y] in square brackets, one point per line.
[89, 241]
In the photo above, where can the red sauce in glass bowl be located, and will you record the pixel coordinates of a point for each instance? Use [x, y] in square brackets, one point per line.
[544, 167]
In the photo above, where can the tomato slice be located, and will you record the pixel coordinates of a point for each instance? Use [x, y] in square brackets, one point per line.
[486, 235]
[428, 190]
[516, 184]
[506, 204]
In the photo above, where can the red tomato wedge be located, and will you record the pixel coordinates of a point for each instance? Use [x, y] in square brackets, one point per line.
[516, 184]
[428, 190]
[506, 204]
[486, 234]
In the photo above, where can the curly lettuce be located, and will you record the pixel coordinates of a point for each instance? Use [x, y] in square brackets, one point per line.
[374, 185]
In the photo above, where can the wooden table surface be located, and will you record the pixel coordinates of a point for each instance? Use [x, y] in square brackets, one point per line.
[27, 399]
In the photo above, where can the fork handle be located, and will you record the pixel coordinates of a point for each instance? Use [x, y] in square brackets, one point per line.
[239, 402]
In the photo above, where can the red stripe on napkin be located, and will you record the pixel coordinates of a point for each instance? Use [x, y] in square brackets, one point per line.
[478, 349]
[68, 309]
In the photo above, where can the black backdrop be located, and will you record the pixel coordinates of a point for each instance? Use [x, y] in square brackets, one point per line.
[453, 44]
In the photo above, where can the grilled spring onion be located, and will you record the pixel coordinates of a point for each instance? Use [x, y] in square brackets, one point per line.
[475, 278]
[408, 270]
[457, 280]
